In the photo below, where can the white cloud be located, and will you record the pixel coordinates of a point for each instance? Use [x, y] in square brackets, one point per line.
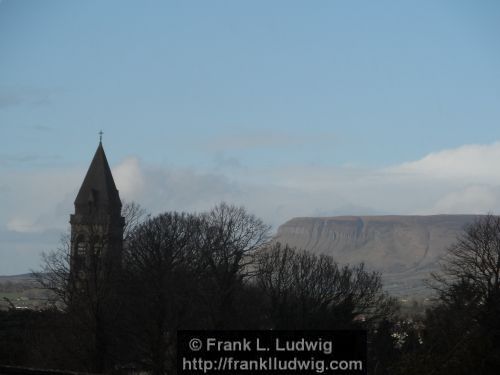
[129, 179]
[37, 201]
[469, 162]
[23, 225]
[474, 199]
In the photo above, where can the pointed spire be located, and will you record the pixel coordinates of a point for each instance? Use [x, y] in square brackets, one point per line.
[98, 192]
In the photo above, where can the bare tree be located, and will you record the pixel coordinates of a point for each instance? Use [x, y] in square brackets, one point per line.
[229, 238]
[463, 329]
[134, 215]
[310, 291]
[158, 263]
[275, 278]
[473, 262]
[54, 275]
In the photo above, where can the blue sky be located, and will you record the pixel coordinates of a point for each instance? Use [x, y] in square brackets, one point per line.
[289, 108]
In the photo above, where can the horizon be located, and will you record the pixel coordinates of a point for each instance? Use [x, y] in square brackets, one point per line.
[289, 109]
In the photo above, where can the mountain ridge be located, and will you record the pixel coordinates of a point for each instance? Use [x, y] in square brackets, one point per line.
[404, 248]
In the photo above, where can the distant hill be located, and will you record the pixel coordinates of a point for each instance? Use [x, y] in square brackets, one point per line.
[22, 291]
[26, 277]
[404, 248]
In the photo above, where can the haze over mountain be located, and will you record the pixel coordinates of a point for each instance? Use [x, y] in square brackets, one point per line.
[404, 248]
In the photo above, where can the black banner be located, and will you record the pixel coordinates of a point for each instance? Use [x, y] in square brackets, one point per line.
[280, 352]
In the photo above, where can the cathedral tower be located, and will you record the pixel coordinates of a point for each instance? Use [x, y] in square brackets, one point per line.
[97, 224]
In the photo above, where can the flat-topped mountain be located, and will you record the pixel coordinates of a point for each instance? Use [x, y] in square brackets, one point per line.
[404, 248]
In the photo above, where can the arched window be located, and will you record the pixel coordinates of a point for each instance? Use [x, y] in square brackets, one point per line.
[97, 247]
[81, 247]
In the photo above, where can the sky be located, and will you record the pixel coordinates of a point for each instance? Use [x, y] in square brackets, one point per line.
[289, 108]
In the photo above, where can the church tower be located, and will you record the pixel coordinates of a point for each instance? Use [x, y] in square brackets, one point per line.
[97, 224]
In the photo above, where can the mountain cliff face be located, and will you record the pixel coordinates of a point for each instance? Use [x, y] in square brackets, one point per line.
[404, 248]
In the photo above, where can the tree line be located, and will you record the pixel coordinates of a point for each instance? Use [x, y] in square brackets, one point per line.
[220, 270]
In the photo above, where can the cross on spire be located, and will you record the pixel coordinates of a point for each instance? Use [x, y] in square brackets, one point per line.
[100, 136]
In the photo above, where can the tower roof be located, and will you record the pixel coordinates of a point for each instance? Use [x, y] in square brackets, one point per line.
[98, 190]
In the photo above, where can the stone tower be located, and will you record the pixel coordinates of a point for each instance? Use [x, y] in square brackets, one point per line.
[97, 224]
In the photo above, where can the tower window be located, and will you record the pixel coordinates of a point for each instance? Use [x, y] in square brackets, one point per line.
[81, 248]
[97, 248]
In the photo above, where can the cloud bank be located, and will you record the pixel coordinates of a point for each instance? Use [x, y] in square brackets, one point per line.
[460, 180]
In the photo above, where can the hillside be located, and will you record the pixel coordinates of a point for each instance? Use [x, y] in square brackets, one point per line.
[22, 291]
[404, 248]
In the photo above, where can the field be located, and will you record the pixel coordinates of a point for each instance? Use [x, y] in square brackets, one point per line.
[21, 292]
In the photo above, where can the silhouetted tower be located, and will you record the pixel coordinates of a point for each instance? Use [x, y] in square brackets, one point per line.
[97, 224]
